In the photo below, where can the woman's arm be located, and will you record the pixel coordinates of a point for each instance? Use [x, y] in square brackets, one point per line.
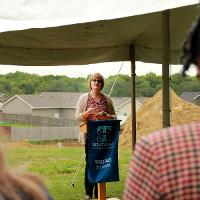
[81, 107]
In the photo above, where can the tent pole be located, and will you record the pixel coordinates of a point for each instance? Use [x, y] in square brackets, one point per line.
[165, 67]
[133, 99]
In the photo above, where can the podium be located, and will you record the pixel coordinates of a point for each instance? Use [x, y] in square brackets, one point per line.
[102, 152]
[83, 125]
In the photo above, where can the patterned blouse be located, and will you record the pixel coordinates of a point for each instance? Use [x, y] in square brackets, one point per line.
[102, 105]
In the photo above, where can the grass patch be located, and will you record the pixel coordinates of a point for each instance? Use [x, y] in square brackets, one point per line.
[44, 142]
[57, 166]
[15, 125]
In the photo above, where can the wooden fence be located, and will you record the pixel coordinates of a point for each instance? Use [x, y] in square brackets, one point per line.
[37, 120]
[44, 133]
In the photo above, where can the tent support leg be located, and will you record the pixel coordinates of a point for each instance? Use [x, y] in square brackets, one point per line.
[165, 68]
[133, 98]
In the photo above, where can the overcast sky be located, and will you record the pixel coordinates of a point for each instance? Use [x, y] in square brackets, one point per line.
[106, 69]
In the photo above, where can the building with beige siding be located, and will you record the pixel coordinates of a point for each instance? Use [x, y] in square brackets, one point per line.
[55, 104]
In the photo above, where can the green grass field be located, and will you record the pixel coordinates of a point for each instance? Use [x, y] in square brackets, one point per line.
[15, 125]
[57, 166]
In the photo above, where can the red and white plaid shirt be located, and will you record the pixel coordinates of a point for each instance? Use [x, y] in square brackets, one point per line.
[166, 165]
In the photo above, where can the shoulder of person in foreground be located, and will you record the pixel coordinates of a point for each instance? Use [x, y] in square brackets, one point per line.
[38, 181]
[23, 186]
[143, 177]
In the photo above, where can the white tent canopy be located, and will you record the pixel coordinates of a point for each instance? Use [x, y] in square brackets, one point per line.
[110, 28]
[65, 12]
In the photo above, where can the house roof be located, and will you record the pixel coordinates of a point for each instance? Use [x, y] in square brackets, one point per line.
[117, 101]
[49, 100]
[139, 100]
[3, 98]
[58, 100]
[189, 96]
[197, 97]
[52, 99]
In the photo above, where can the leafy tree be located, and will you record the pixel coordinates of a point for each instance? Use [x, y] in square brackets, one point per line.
[24, 83]
[123, 83]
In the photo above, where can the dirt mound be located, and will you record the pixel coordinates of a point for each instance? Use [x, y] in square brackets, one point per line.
[149, 116]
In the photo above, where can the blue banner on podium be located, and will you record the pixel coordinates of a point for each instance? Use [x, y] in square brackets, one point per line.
[103, 151]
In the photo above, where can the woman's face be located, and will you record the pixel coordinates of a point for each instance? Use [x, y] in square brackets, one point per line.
[96, 84]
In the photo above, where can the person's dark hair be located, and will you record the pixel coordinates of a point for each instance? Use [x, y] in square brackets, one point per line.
[191, 47]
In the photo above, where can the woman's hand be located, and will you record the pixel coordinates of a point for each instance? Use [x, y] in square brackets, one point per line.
[101, 113]
[93, 111]
[90, 111]
[103, 116]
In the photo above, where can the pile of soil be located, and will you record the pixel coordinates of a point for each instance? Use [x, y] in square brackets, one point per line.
[149, 117]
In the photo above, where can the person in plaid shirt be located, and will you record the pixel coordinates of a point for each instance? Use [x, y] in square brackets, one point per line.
[166, 164]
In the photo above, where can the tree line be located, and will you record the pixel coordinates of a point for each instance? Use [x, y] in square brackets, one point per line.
[146, 85]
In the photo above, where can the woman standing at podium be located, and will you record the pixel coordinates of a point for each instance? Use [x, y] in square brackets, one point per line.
[94, 105]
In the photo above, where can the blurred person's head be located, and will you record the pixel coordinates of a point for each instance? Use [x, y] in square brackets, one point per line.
[2, 163]
[17, 186]
[191, 49]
